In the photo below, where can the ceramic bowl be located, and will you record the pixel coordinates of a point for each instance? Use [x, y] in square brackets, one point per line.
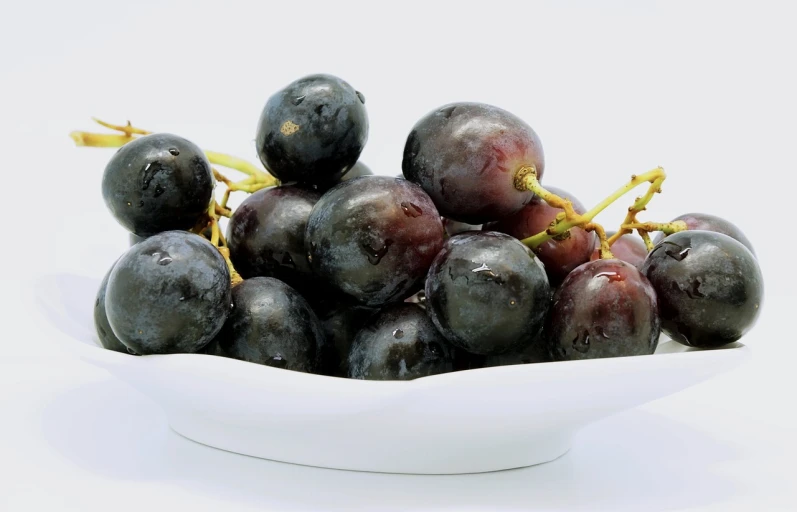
[463, 422]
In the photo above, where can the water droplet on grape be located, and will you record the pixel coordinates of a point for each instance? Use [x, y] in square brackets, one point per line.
[446, 112]
[612, 276]
[158, 191]
[297, 100]
[488, 272]
[163, 258]
[131, 351]
[482, 268]
[678, 254]
[278, 361]
[182, 299]
[360, 96]
[287, 260]
[694, 289]
[140, 204]
[398, 334]
[376, 255]
[411, 210]
[581, 343]
[174, 151]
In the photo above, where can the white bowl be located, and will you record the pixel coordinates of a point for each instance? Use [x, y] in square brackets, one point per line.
[464, 422]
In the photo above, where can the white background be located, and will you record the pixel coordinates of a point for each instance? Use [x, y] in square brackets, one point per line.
[704, 89]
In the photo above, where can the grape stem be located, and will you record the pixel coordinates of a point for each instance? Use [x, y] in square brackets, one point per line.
[668, 228]
[605, 248]
[217, 238]
[526, 179]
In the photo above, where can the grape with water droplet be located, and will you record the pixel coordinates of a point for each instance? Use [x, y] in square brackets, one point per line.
[313, 130]
[271, 324]
[604, 308]
[466, 155]
[156, 183]
[709, 285]
[399, 343]
[168, 294]
[487, 293]
[365, 239]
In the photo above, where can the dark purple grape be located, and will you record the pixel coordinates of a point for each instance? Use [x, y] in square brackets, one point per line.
[266, 235]
[487, 293]
[604, 308]
[313, 130]
[158, 182]
[560, 257]
[168, 294]
[341, 323]
[709, 285]
[454, 227]
[707, 222]
[271, 324]
[104, 332]
[629, 248]
[374, 238]
[465, 156]
[399, 343]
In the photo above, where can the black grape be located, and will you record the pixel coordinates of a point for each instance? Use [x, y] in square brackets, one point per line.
[158, 182]
[313, 130]
[271, 324]
[487, 293]
[709, 285]
[399, 343]
[168, 294]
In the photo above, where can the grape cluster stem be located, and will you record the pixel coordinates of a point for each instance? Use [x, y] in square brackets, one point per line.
[526, 179]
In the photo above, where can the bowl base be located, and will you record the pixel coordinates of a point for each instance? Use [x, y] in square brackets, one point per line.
[545, 447]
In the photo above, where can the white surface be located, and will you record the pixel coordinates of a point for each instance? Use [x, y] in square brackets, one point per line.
[704, 89]
[463, 422]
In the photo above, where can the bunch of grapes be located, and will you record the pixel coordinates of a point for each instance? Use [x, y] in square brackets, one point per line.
[466, 261]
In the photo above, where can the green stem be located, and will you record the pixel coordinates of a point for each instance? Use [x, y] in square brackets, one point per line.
[528, 181]
[668, 228]
[605, 250]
